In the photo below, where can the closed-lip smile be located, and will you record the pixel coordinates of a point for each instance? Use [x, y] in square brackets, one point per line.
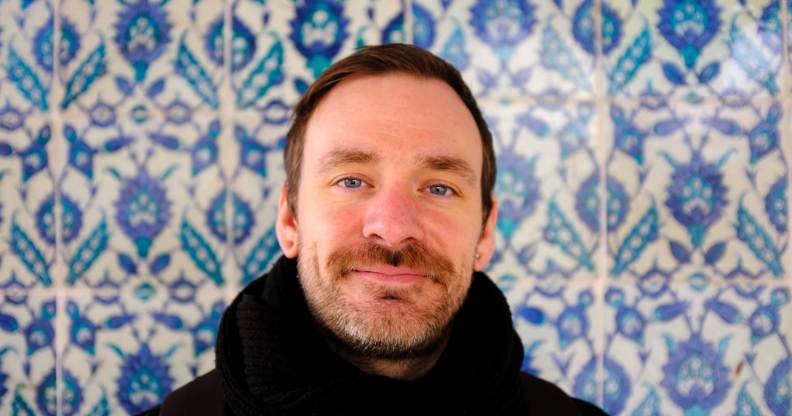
[390, 274]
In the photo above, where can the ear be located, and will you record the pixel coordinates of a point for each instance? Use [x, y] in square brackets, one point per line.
[486, 244]
[286, 226]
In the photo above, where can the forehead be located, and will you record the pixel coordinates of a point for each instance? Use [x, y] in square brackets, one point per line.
[396, 116]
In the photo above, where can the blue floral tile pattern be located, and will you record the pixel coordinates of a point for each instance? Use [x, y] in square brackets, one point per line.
[706, 193]
[697, 347]
[27, 203]
[558, 324]
[512, 49]
[142, 140]
[26, 45]
[27, 352]
[127, 350]
[694, 49]
[642, 151]
[27, 171]
[547, 189]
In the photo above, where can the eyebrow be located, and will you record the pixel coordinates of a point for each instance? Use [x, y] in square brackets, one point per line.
[343, 157]
[450, 164]
[439, 163]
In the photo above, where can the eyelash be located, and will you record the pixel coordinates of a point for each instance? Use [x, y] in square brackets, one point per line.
[344, 183]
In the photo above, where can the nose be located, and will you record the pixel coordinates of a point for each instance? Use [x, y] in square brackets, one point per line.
[392, 218]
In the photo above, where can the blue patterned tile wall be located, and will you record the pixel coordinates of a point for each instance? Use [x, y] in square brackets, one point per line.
[642, 149]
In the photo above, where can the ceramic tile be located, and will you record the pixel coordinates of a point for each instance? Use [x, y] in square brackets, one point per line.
[150, 194]
[694, 50]
[27, 201]
[257, 179]
[280, 47]
[26, 47]
[508, 49]
[140, 172]
[558, 324]
[142, 53]
[677, 347]
[547, 191]
[27, 352]
[127, 349]
[697, 189]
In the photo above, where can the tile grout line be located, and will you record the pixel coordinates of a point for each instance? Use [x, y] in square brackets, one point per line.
[786, 123]
[407, 6]
[600, 101]
[57, 137]
[227, 113]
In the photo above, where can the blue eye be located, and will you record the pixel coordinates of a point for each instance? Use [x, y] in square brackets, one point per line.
[440, 190]
[352, 182]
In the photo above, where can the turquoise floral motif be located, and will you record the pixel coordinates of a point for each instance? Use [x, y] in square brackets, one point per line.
[69, 44]
[144, 381]
[142, 34]
[776, 205]
[696, 196]
[770, 26]
[71, 219]
[11, 119]
[617, 385]
[632, 59]
[27, 251]
[558, 56]
[188, 67]
[423, 28]
[764, 137]
[689, 25]
[266, 74]
[643, 233]
[261, 256]
[26, 80]
[778, 388]
[243, 219]
[142, 210]
[89, 70]
[583, 27]
[560, 232]
[454, 50]
[318, 31]
[503, 24]
[243, 43]
[628, 137]
[70, 392]
[87, 252]
[695, 376]
[751, 232]
[518, 190]
[200, 252]
[40, 333]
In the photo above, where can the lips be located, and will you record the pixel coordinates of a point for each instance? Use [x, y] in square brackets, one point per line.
[390, 274]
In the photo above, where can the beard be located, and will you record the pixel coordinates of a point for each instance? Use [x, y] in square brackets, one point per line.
[391, 323]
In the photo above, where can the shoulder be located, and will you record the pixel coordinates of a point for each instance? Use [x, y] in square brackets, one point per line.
[202, 396]
[544, 397]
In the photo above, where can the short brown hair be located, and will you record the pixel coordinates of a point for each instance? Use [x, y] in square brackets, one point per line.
[374, 60]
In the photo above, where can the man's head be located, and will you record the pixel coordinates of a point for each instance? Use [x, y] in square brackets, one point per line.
[388, 202]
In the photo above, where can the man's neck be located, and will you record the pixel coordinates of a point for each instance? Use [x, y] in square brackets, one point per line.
[408, 368]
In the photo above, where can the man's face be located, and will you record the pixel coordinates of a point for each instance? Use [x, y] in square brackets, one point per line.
[388, 228]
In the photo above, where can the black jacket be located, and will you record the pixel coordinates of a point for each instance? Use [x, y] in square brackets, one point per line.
[271, 360]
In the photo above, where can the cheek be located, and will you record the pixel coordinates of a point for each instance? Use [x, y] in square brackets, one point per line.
[325, 226]
[454, 235]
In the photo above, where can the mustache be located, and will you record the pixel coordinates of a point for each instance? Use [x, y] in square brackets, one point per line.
[416, 256]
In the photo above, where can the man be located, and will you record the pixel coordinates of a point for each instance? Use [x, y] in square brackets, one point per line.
[386, 220]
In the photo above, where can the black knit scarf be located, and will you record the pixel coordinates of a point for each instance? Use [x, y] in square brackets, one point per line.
[273, 360]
